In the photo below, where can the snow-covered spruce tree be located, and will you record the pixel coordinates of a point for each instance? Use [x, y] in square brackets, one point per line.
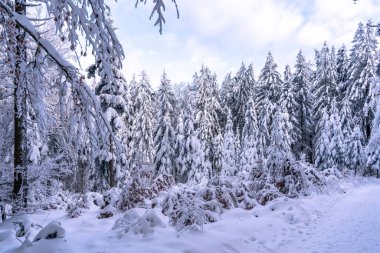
[355, 151]
[288, 104]
[112, 101]
[303, 110]
[226, 90]
[228, 160]
[191, 162]
[336, 146]
[373, 147]
[279, 150]
[129, 140]
[242, 88]
[217, 153]
[238, 142]
[264, 119]
[270, 80]
[361, 71]
[322, 151]
[206, 109]
[179, 138]
[342, 71]
[267, 95]
[164, 136]
[325, 83]
[142, 146]
[252, 155]
[347, 123]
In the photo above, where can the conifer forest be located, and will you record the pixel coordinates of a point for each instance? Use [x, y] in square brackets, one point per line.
[270, 159]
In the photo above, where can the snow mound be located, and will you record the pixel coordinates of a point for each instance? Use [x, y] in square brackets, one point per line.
[284, 208]
[22, 226]
[53, 230]
[131, 222]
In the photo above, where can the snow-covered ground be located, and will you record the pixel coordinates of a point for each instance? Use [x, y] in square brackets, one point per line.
[338, 222]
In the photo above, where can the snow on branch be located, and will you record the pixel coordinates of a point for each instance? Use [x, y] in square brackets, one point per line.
[159, 8]
[85, 94]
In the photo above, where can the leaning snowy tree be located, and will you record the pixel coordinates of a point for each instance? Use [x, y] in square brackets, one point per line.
[90, 18]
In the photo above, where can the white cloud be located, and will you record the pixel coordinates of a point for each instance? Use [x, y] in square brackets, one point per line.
[222, 33]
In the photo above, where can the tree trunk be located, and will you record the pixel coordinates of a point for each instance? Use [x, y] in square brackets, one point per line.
[20, 180]
[3, 215]
[111, 166]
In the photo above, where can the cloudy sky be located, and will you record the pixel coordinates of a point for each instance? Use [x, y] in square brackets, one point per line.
[223, 33]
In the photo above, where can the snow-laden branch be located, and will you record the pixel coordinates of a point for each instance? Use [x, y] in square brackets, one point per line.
[159, 8]
[69, 69]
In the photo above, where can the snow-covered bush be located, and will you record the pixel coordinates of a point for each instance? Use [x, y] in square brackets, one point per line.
[222, 190]
[186, 209]
[97, 199]
[107, 202]
[132, 222]
[245, 197]
[230, 192]
[297, 178]
[136, 194]
[124, 224]
[133, 195]
[146, 224]
[161, 183]
[268, 193]
[57, 201]
[53, 230]
[111, 197]
[332, 173]
[77, 205]
[106, 212]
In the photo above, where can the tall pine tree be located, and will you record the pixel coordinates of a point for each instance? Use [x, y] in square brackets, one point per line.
[303, 110]
[164, 136]
[228, 160]
[207, 106]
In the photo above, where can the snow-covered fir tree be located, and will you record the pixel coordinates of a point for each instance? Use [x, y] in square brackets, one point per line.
[142, 152]
[191, 160]
[242, 90]
[252, 155]
[288, 103]
[179, 139]
[336, 145]
[303, 110]
[322, 147]
[111, 97]
[325, 83]
[342, 71]
[355, 152]
[373, 147]
[164, 136]
[361, 71]
[267, 94]
[279, 150]
[228, 161]
[207, 106]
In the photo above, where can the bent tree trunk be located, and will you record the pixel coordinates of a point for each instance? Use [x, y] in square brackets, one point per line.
[20, 180]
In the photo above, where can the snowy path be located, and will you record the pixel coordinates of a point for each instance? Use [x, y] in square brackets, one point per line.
[336, 223]
[350, 223]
